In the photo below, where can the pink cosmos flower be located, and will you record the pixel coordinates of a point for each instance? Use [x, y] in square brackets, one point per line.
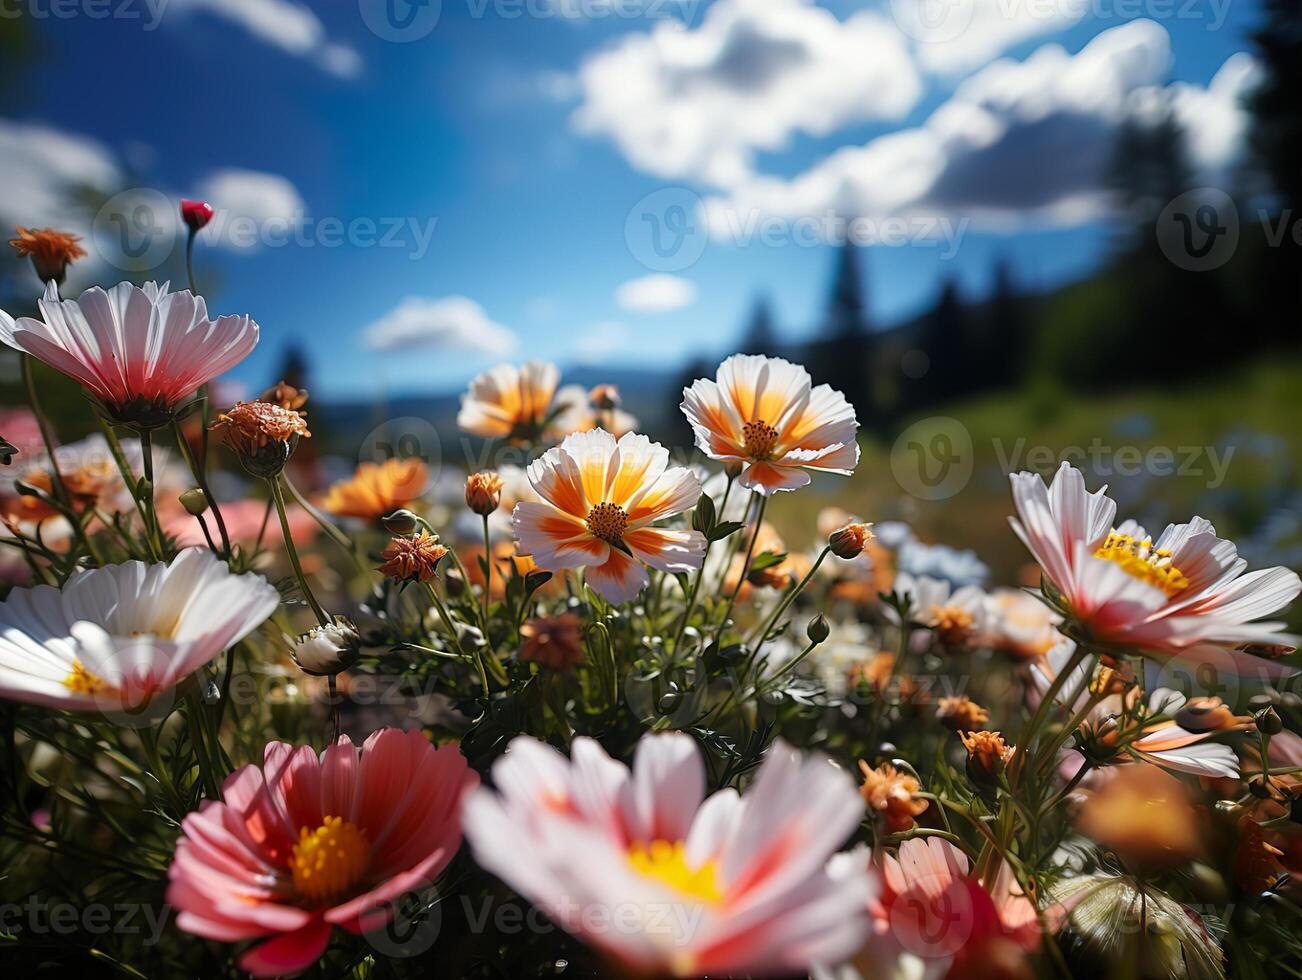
[1185, 591]
[934, 919]
[643, 866]
[765, 414]
[140, 350]
[599, 500]
[304, 843]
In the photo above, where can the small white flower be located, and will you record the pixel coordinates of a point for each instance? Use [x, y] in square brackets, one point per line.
[327, 650]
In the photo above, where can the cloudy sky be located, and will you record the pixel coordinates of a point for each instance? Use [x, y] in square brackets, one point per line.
[415, 191]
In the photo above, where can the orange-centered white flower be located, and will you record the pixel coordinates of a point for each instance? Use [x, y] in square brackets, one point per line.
[140, 350]
[764, 413]
[644, 866]
[519, 403]
[1185, 592]
[599, 500]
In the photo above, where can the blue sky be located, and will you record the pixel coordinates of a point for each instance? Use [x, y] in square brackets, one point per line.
[474, 131]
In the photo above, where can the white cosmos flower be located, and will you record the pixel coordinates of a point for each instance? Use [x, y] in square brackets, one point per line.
[1153, 735]
[1184, 593]
[956, 616]
[643, 866]
[119, 635]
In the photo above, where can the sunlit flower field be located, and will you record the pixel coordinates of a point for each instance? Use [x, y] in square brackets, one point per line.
[590, 716]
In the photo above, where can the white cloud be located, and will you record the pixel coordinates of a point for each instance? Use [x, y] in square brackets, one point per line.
[684, 103]
[655, 294]
[41, 168]
[958, 35]
[601, 341]
[1016, 141]
[453, 322]
[292, 27]
[251, 208]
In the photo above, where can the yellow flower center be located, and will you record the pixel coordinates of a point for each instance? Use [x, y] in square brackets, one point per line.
[329, 860]
[607, 521]
[760, 438]
[82, 681]
[1144, 562]
[666, 862]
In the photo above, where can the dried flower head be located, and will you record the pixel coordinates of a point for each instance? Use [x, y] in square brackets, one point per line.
[849, 541]
[987, 755]
[285, 395]
[51, 251]
[1210, 714]
[483, 492]
[263, 435]
[325, 650]
[555, 642]
[961, 713]
[892, 795]
[414, 559]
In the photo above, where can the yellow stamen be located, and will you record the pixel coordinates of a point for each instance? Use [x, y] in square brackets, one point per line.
[953, 626]
[760, 438]
[666, 862]
[329, 860]
[82, 681]
[1144, 562]
[608, 522]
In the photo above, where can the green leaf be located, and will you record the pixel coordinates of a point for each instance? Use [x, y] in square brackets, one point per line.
[703, 515]
[726, 529]
[767, 559]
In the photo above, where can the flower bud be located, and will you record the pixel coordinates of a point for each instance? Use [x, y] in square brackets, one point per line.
[987, 756]
[604, 398]
[818, 629]
[400, 522]
[848, 542]
[195, 214]
[1268, 721]
[327, 650]
[195, 501]
[483, 492]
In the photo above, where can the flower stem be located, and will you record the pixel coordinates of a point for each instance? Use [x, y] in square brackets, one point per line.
[488, 574]
[278, 496]
[200, 471]
[745, 568]
[456, 639]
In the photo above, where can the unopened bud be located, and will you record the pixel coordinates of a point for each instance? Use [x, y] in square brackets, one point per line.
[1268, 721]
[849, 541]
[400, 522]
[195, 214]
[195, 501]
[818, 630]
[329, 649]
[483, 492]
[604, 398]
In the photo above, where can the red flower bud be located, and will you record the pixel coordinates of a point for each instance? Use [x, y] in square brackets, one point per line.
[195, 214]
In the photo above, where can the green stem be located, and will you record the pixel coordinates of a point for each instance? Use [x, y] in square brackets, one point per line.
[201, 477]
[759, 638]
[456, 639]
[745, 568]
[278, 496]
[488, 575]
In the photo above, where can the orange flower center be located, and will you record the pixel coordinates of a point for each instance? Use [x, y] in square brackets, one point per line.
[1141, 560]
[329, 860]
[607, 521]
[760, 438]
[666, 862]
[953, 625]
